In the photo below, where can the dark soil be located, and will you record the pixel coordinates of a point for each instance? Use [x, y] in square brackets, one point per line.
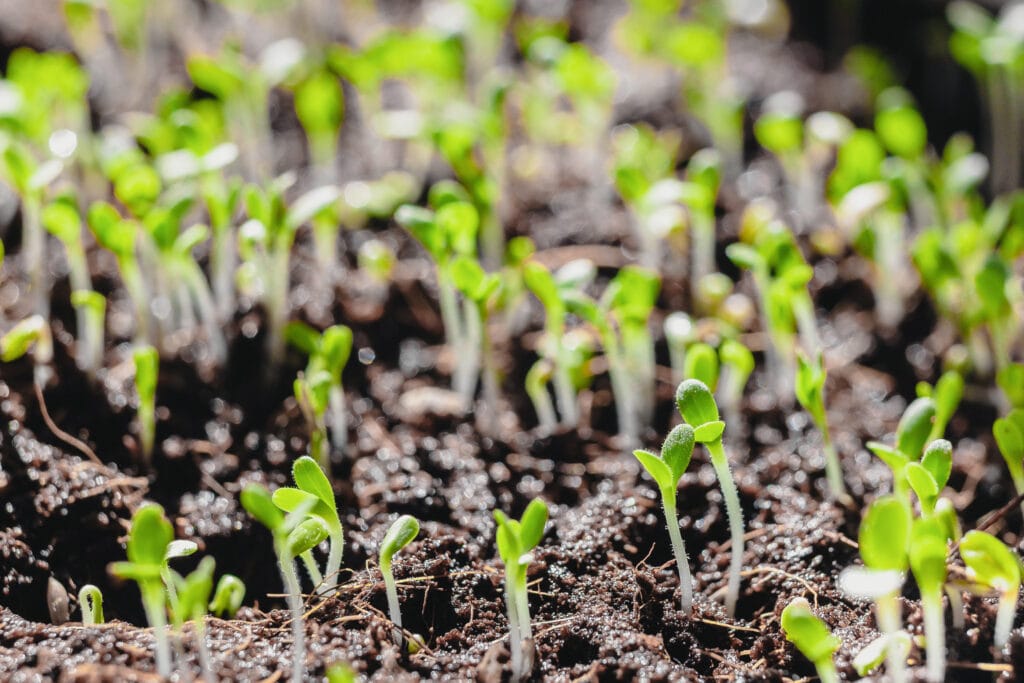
[604, 591]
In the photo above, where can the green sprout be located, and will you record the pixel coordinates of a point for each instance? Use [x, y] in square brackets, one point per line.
[929, 476]
[312, 395]
[946, 393]
[481, 288]
[191, 604]
[175, 549]
[928, 563]
[118, 236]
[313, 490]
[228, 596]
[884, 542]
[147, 362]
[293, 536]
[697, 406]
[32, 333]
[1009, 434]
[702, 364]
[148, 539]
[680, 333]
[667, 470]
[516, 540]
[810, 392]
[1010, 380]
[911, 436]
[811, 636]
[328, 353]
[737, 363]
[90, 599]
[400, 534]
[92, 309]
[990, 563]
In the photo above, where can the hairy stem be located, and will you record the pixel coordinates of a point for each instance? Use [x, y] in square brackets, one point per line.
[291, 584]
[735, 514]
[679, 549]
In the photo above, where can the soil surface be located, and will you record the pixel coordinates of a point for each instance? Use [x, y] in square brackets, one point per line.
[604, 594]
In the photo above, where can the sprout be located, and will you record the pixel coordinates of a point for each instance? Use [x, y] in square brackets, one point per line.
[175, 549]
[1009, 434]
[946, 393]
[311, 393]
[147, 361]
[697, 406]
[315, 493]
[31, 333]
[911, 435]
[884, 543]
[92, 310]
[293, 536]
[90, 599]
[810, 391]
[117, 236]
[680, 333]
[328, 353]
[737, 364]
[928, 476]
[228, 596]
[148, 539]
[515, 541]
[480, 288]
[811, 636]
[928, 562]
[193, 596]
[667, 469]
[990, 563]
[702, 364]
[400, 534]
[1011, 381]
[377, 259]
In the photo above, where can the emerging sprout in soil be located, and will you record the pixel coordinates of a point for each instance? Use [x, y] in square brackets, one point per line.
[313, 493]
[884, 542]
[193, 596]
[118, 236]
[228, 596]
[1009, 434]
[928, 562]
[702, 364]
[928, 476]
[328, 353]
[699, 410]
[175, 549]
[667, 469]
[516, 539]
[400, 534]
[90, 600]
[480, 288]
[811, 636]
[293, 536]
[911, 436]
[990, 563]
[92, 309]
[737, 363]
[148, 539]
[147, 362]
[810, 391]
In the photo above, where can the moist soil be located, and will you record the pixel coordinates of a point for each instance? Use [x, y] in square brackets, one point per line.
[604, 594]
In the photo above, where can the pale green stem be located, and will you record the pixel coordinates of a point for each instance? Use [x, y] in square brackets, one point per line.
[833, 468]
[523, 607]
[935, 636]
[537, 390]
[703, 249]
[565, 395]
[803, 311]
[153, 603]
[294, 592]
[139, 295]
[887, 609]
[205, 661]
[334, 556]
[394, 608]
[679, 549]
[1004, 616]
[956, 606]
[514, 635]
[735, 514]
[222, 271]
[312, 569]
[889, 268]
[827, 671]
[337, 417]
[276, 302]
[490, 378]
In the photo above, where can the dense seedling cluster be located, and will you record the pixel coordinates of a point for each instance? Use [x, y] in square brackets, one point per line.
[439, 261]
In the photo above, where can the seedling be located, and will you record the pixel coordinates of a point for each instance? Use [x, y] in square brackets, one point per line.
[697, 406]
[811, 636]
[481, 288]
[313, 489]
[148, 539]
[193, 596]
[400, 534]
[228, 596]
[515, 540]
[702, 364]
[175, 549]
[946, 393]
[90, 600]
[884, 543]
[667, 469]
[118, 236]
[92, 309]
[680, 333]
[928, 476]
[293, 536]
[928, 562]
[990, 563]
[328, 352]
[911, 435]
[147, 361]
[1011, 381]
[810, 391]
[32, 333]
[737, 363]
[312, 395]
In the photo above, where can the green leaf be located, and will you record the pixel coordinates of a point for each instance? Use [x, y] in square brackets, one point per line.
[709, 432]
[194, 591]
[885, 534]
[810, 384]
[915, 426]
[310, 478]
[257, 501]
[1010, 440]
[399, 534]
[990, 561]
[306, 536]
[677, 450]
[534, 518]
[335, 349]
[302, 336]
[923, 483]
[149, 536]
[659, 470]
[176, 549]
[61, 219]
[808, 633]
[540, 281]
[902, 130]
[20, 338]
[320, 104]
[947, 394]
[696, 403]
[458, 222]
[734, 354]
[701, 363]
[228, 596]
[744, 256]
[938, 460]
[290, 499]
[310, 205]
[1011, 380]
[889, 455]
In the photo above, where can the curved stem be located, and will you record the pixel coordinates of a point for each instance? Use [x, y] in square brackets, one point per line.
[679, 549]
[394, 609]
[314, 571]
[1004, 617]
[735, 514]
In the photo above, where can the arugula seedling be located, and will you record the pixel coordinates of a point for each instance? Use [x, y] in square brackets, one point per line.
[697, 406]
[147, 362]
[911, 435]
[175, 549]
[990, 563]
[148, 539]
[929, 476]
[193, 596]
[90, 599]
[400, 534]
[118, 236]
[314, 489]
[928, 562]
[737, 364]
[810, 392]
[328, 352]
[884, 542]
[946, 393]
[228, 596]
[481, 288]
[667, 470]
[31, 333]
[311, 393]
[516, 540]
[811, 636]
[293, 535]
[1009, 434]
